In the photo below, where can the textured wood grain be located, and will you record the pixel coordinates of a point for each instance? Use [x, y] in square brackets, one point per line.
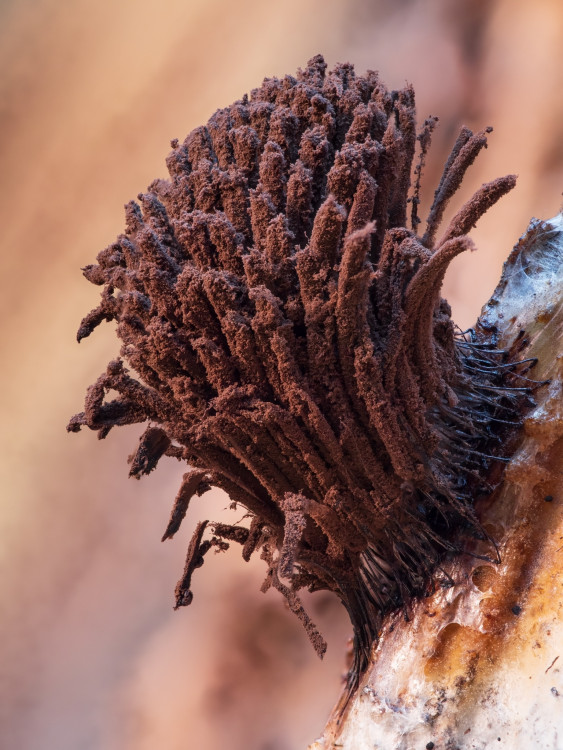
[479, 663]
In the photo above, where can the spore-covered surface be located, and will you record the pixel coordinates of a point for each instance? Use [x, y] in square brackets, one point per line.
[282, 320]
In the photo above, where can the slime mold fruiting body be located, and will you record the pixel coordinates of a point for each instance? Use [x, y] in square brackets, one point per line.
[291, 345]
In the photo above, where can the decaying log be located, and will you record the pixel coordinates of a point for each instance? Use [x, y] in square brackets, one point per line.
[480, 663]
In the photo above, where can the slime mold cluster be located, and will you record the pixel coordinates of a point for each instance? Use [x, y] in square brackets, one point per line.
[282, 333]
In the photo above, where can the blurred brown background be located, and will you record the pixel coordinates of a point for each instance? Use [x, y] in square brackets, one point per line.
[91, 92]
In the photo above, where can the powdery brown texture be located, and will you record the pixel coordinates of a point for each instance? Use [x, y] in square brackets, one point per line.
[292, 347]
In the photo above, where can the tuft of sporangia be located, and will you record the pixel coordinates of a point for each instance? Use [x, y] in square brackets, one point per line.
[288, 342]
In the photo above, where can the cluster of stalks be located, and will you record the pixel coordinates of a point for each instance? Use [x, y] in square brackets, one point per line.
[289, 342]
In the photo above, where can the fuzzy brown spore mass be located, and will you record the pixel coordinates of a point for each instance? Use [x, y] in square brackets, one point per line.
[291, 345]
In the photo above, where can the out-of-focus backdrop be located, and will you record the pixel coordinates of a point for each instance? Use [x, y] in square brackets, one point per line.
[92, 657]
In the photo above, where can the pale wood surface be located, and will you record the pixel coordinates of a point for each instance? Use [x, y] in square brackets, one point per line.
[479, 665]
